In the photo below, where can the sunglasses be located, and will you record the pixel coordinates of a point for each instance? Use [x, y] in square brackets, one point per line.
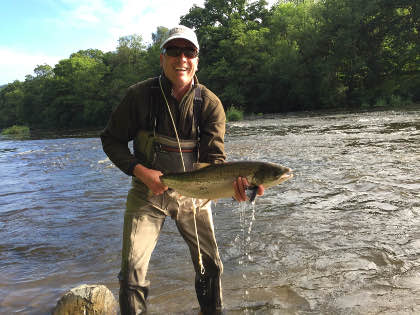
[174, 51]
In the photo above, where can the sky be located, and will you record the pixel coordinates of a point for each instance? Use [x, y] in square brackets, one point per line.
[36, 32]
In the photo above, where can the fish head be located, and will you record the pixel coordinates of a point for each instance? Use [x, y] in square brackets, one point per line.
[270, 174]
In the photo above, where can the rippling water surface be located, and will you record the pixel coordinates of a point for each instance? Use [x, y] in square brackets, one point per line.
[343, 237]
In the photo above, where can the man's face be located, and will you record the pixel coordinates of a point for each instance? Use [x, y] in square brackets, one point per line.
[179, 70]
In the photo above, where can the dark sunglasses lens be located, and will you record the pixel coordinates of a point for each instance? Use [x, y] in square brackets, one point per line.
[190, 53]
[172, 51]
[176, 51]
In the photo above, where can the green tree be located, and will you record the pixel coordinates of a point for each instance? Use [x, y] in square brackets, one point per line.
[125, 66]
[77, 97]
[34, 95]
[132, 62]
[232, 48]
[371, 46]
[11, 103]
[292, 70]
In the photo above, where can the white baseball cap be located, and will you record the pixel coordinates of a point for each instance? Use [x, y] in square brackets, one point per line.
[183, 32]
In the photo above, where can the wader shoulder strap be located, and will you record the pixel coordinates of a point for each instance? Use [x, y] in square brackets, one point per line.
[154, 111]
[198, 102]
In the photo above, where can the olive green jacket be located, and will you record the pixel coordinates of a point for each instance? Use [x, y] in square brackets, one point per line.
[136, 112]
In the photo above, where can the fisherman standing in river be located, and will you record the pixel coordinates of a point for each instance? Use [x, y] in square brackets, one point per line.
[174, 122]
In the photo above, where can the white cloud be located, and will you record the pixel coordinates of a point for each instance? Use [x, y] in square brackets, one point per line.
[144, 17]
[82, 13]
[131, 16]
[15, 65]
[119, 18]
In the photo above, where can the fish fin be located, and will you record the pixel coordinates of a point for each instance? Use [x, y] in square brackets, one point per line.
[198, 166]
[252, 195]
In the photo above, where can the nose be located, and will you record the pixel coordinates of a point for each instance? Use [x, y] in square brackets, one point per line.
[182, 56]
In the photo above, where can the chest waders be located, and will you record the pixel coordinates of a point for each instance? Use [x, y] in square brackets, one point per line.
[168, 154]
[196, 100]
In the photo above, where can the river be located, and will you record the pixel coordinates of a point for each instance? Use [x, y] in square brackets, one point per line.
[342, 237]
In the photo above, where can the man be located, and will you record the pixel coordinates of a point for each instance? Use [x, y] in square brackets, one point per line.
[174, 122]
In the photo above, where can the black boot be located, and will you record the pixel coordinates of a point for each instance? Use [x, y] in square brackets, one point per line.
[209, 295]
[132, 299]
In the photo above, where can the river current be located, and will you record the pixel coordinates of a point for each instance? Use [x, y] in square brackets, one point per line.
[341, 237]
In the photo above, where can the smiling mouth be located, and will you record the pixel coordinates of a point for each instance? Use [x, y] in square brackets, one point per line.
[181, 69]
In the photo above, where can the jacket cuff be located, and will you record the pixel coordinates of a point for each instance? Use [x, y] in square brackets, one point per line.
[131, 168]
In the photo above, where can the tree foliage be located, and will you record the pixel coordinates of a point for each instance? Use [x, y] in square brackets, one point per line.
[296, 55]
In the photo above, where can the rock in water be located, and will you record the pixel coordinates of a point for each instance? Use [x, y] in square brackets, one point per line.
[87, 300]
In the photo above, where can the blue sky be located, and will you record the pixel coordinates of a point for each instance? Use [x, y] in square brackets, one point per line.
[35, 32]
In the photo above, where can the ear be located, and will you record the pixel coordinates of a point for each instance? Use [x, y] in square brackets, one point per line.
[161, 60]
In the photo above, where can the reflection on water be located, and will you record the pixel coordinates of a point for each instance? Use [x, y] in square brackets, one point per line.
[342, 237]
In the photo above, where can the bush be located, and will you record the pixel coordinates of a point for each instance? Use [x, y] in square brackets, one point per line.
[234, 114]
[393, 101]
[16, 131]
[397, 101]
[380, 102]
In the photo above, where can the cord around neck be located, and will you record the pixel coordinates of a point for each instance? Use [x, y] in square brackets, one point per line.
[173, 124]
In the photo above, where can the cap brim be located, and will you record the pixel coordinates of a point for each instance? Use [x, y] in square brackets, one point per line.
[178, 37]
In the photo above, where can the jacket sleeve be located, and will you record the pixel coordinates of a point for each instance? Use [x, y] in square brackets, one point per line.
[212, 130]
[120, 130]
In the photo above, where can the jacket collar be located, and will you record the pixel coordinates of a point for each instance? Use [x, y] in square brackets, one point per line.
[167, 84]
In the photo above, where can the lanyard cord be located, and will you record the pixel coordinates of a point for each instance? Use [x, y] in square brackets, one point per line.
[200, 260]
[173, 124]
